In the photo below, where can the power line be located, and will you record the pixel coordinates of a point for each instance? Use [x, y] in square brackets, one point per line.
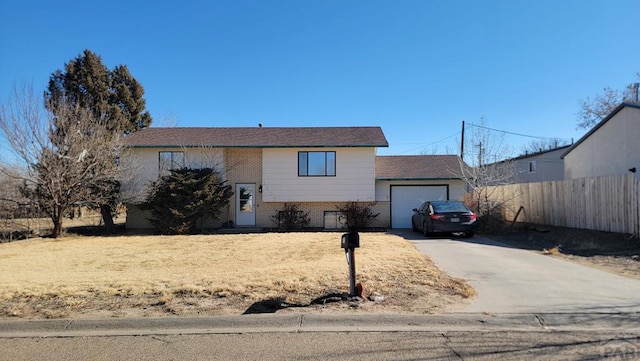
[450, 136]
[423, 146]
[513, 133]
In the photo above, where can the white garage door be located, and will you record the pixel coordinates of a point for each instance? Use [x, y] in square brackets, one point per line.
[405, 198]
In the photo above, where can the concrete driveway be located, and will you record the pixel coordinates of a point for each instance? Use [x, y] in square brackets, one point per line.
[511, 280]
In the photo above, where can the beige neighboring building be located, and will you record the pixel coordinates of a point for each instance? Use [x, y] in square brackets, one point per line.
[612, 147]
[317, 168]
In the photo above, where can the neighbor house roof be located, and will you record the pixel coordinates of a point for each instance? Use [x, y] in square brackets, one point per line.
[418, 167]
[530, 155]
[258, 137]
[599, 125]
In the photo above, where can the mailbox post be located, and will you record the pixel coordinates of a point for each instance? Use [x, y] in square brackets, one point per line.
[350, 241]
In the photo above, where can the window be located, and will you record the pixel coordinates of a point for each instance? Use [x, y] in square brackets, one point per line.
[170, 161]
[316, 164]
[334, 220]
[532, 166]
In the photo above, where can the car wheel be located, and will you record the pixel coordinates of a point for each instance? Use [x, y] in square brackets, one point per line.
[469, 234]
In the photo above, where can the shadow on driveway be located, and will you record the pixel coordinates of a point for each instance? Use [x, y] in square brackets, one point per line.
[578, 242]
[417, 237]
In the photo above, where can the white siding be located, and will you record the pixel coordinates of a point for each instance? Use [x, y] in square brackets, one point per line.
[144, 165]
[354, 180]
[610, 150]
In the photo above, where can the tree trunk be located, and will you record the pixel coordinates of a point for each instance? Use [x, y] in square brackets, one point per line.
[107, 218]
[57, 223]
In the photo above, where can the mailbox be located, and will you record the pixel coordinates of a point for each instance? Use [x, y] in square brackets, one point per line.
[350, 240]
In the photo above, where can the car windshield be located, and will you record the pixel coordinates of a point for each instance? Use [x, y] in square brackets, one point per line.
[445, 207]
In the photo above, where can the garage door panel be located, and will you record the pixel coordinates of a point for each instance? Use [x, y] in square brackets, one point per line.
[405, 198]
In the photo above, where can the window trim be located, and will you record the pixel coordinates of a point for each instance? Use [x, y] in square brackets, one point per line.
[327, 164]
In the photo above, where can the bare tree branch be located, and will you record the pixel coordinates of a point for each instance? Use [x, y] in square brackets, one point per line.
[594, 110]
[69, 161]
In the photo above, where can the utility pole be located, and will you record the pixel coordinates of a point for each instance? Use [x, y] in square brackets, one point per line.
[462, 143]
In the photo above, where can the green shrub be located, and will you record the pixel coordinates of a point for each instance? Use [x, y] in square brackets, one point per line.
[180, 199]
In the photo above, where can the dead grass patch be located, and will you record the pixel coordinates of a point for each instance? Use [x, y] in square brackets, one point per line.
[553, 251]
[214, 274]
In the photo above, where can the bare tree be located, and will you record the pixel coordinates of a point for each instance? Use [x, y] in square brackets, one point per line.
[594, 110]
[66, 157]
[436, 150]
[541, 145]
[484, 145]
[489, 165]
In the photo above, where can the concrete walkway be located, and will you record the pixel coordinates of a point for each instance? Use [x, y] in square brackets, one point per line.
[511, 280]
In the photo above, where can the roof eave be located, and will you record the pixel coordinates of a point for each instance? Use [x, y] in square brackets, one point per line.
[255, 146]
[417, 179]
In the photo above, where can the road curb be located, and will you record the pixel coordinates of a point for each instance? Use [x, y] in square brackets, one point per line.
[296, 323]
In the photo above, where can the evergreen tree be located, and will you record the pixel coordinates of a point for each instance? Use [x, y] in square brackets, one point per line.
[114, 97]
[179, 200]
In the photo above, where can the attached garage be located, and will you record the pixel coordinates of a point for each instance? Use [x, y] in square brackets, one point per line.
[404, 182]
[405, 198]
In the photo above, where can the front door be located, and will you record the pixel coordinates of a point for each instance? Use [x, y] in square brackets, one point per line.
[245, 204]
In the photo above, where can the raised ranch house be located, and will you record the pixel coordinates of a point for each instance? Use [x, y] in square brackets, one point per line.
[317, 168]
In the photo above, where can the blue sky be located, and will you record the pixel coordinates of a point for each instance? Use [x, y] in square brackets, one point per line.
[415, 68]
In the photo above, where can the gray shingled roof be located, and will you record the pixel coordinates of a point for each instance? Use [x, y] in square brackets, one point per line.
[418, 167]
[258, 137]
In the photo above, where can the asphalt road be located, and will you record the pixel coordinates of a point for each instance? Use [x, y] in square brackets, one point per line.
[327, 337]
[330, 346]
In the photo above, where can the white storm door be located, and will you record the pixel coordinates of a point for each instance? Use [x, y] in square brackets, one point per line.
[245, 204]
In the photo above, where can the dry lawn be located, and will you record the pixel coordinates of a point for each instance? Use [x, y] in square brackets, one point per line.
[129, 276]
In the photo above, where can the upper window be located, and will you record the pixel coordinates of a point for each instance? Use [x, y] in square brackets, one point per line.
[316, 164]
[532, 166]
[170, 161]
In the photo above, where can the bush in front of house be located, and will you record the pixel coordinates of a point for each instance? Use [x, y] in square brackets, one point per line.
[359, 215]
[179, 200]
[290, 218]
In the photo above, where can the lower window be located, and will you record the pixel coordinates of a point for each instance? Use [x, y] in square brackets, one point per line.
[334, 220]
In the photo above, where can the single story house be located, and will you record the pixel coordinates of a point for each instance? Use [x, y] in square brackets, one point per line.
[318, 168]
[542, 166]
[611, 147]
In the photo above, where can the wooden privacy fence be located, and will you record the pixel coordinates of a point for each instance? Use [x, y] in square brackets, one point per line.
[610, 203]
